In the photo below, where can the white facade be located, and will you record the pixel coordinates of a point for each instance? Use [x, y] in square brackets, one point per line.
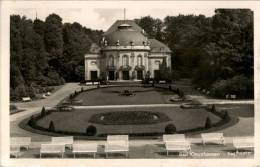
[125, 54]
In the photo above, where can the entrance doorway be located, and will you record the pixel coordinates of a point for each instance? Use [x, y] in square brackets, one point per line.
[125, 75]
[157, 74]
[111, 75]
[139, 74]
[93, 75]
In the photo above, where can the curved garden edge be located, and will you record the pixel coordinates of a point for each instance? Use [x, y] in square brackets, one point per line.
[76, 93]
[222, 125]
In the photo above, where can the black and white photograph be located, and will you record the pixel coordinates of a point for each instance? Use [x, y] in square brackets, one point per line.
[157, 81]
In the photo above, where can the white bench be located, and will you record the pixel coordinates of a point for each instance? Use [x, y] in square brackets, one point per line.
[179, 146]
[84, 148]
[66, 140]
[26, 99]
[89, 83]
[15, 150]
[174, 138]
[44, 96]
[162, 82]
[96, 83]
[117, 144]
[233, 97]
[21, 141]
[52, 149]
[243, 143]
[227, 96]
[212, 138]
[117, 137]
[48, 93]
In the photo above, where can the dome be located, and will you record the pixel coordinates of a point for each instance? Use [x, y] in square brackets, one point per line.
[126, 36]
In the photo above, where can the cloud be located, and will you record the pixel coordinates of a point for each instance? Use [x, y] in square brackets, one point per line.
[103, 18]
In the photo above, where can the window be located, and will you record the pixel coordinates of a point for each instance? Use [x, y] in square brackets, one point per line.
[139, 60]
[111, 61]
[93, 63]
[157, 62]
[125, 60]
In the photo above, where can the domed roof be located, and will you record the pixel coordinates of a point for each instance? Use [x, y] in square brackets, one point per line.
[125, 35]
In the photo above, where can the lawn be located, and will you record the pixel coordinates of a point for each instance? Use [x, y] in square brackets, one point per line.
[78, 120]
[112, 96]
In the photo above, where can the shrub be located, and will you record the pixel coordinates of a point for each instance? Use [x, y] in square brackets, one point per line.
[51, 127]
[31, 121]
[226, 116]
[213, 108]
[180, 93]
[43, 112]
[91, 130]
[176, 75]
[208, 123]
[170, 129]
[13, 107]
[240, 85]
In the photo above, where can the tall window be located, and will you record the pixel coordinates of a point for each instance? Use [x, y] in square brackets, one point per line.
[139, 60]
[111, 61]
[125, 60]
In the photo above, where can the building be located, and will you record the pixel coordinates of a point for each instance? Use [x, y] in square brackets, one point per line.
[126, 53]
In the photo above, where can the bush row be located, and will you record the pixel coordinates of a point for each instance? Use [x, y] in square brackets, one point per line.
[240, 86]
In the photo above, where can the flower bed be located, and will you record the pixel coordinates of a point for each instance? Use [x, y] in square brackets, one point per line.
[128, 118]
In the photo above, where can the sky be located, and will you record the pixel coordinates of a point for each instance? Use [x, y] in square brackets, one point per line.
[103, 18]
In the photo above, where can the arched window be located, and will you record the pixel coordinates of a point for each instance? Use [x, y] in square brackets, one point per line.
[125, 60]
[139, 60]
[111, 61]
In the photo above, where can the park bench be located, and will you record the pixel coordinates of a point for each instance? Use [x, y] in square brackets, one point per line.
[212, 138]
[15, 150]
[89, 83]
[21, 141]
[179, 146]
[162, 82]
[26, 99]
[84, 148]
[44, 96]
[227, 96]
[66, 140]
[243, 143]
[233, 97]
[150, 82]
[117, 144]
[52, 149]
[48, 93]
[96, 83]
[174, 138]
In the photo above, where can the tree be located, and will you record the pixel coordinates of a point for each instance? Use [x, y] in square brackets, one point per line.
[208, 123]
[76, 44]
[54, 41]
[153, 27]
[51, 127]
[43, 112]
[45, 52]
[165, 72]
